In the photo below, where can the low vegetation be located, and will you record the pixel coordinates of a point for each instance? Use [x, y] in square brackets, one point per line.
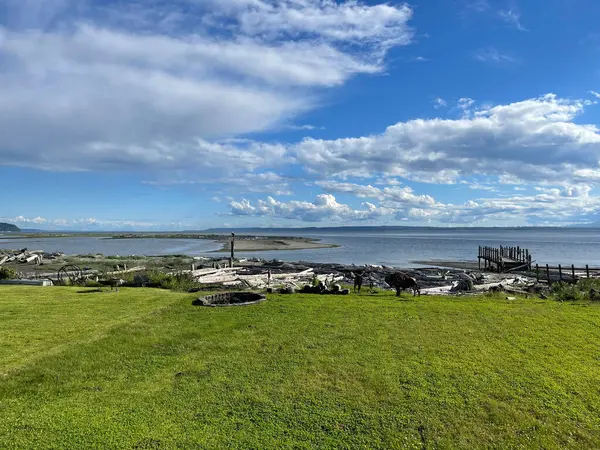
[584, 290]
[143, 368]
[8, 273]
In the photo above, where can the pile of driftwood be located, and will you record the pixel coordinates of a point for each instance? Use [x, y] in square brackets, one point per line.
[256, 274]
[25, 256]
[262, 278]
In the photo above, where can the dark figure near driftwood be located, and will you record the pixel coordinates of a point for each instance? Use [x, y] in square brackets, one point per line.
[358, 281]
[401, 281]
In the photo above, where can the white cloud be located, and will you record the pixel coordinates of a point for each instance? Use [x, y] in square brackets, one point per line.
[482, 187]
[269, 182]
[470, 7]
[494, 56]
[533, 140]
[344, 21]
[24, 220]
[89, 223]
[513, 18]
[303, 127]
[392, 196]
[149, 86]
[439, 103]
[557, 204]
[595, 94]
[324, 207]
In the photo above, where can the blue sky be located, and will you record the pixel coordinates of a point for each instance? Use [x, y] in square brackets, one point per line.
[190, 114]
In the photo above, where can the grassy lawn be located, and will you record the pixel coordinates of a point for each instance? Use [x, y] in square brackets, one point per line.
[145, 369]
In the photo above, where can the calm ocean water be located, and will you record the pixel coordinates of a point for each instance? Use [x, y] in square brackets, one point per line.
[395, 248]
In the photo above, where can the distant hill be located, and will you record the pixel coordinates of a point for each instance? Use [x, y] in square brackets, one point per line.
[9, 227]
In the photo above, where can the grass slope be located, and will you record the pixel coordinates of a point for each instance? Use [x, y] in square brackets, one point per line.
[297, 372]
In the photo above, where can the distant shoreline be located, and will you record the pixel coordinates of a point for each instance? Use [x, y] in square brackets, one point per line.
[243, 242]
[275, 244]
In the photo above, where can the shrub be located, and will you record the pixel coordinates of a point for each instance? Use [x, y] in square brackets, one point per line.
[8, 273]
[587, 289]
[175, 282]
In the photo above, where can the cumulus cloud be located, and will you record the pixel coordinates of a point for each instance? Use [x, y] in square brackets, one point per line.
[108, 87]
[533, 140]
[324, 207]
[561, 204]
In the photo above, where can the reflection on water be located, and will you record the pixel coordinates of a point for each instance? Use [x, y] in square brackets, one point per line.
[398, 248]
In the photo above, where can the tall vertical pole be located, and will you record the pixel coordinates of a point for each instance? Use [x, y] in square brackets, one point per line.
[232, 249]
[559, 272]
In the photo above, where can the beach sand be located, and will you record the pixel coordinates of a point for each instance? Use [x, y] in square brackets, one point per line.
[265, 244]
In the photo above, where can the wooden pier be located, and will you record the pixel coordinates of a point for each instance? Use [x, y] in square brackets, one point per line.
[504, 259]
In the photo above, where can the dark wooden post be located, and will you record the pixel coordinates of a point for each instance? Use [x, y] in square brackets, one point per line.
[479, 257]
[548, 274]
[573, 272]
[587, 270]
[537, 273]
[232, 249]
[559, 272]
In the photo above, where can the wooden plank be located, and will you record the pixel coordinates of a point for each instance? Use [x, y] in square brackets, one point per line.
[559, 272]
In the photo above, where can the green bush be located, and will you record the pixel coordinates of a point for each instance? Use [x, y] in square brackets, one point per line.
[8, 273]
[584, 290]
[175, 282]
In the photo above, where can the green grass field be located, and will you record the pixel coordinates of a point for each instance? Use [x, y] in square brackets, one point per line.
[146, 369]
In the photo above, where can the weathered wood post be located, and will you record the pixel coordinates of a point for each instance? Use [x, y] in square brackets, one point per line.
[537, 273]
[587, 270]
[548, 274]
[560, 272]
[479, 257]
[232, 249]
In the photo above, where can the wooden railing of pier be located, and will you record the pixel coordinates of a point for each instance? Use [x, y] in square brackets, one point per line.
[504, 258]
[567, 272]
